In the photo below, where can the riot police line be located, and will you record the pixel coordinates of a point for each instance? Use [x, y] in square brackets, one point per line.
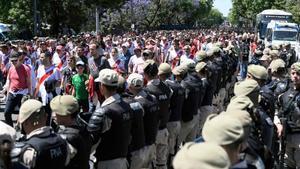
[145, 119]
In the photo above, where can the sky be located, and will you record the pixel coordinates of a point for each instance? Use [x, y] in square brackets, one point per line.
[223, 6]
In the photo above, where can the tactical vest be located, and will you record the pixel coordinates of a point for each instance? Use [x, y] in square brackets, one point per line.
[151, 120]
[73, 137]
[192, 96]
[290, 102]
[163, 94]
[177, 100]
[51, 151]
[137, 128]
[114, 142]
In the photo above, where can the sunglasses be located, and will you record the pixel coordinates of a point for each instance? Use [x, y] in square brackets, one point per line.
[13, 61]
[79, 67]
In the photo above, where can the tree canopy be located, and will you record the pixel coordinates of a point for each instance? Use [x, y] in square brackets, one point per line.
[246, 10]
[114, 15]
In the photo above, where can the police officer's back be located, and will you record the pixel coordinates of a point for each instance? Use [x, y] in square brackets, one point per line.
[66, 108]
[163, 94]
[43, 148]
[113, 148]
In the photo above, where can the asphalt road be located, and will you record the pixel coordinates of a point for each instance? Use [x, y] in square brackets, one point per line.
[2, 107]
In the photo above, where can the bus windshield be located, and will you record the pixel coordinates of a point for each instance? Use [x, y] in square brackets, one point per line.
[285, 35]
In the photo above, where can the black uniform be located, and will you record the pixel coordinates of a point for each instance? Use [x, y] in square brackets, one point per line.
[163, 94]
[115, 141]
[177, 100]
[137, 128]
[290, 110]
[151, 120]
[192, 97]
[51, 150]
[73, 137]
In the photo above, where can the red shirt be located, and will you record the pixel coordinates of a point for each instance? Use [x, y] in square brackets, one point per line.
[18, 76]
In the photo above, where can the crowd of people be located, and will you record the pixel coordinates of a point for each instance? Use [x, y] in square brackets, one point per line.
[165, 99]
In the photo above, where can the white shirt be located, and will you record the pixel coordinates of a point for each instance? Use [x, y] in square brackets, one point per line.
[137, 63]
[46, 97]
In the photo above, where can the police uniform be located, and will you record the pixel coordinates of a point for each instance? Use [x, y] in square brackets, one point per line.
[239, 108]
[224, 131]
[289, 103]
[200, 156]
[163, 94]
[112, 151]
[42, 147]
[176, 104]
[190, 111]
[136, 152]
[145, 155]
[204, 110]
[64, 106]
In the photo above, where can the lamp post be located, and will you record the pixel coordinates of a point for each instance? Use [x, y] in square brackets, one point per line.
[35, 17]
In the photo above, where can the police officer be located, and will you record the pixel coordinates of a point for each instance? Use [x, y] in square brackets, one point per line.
[201, 155]
[112, 122]
[190, 116]
[136, 152]
[279, 83]
[43, 148]
[150, 119]
[240, 107]
[258, 73]
[291, 54]
[7, 140]
[206, 109]
[66, 109]
[178, 94]
[244, 56]
[290, 103]
[225, 131]
[163, 94]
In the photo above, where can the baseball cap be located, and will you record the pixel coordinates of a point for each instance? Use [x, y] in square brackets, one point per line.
[296, 66]
[201, 156]
[201, 55]
[222, 130]
[80, 63]
[179, 70]
[164, 68]
[245, 87]
[28, 108]
[243, 116]
[249, 88]
[64, 105]
[108, 77]
[265, 57]
[135, 80]
[274, 53]
[240, 103]
[200, 66]
[258, 71]
[189, 64]
[276, 64]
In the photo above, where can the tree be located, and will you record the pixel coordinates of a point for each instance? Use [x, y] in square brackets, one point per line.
[247, 10]
[214, 18]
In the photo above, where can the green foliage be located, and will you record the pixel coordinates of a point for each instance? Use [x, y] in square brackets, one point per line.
[115, 15]
[214, 18]
[246, 10]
